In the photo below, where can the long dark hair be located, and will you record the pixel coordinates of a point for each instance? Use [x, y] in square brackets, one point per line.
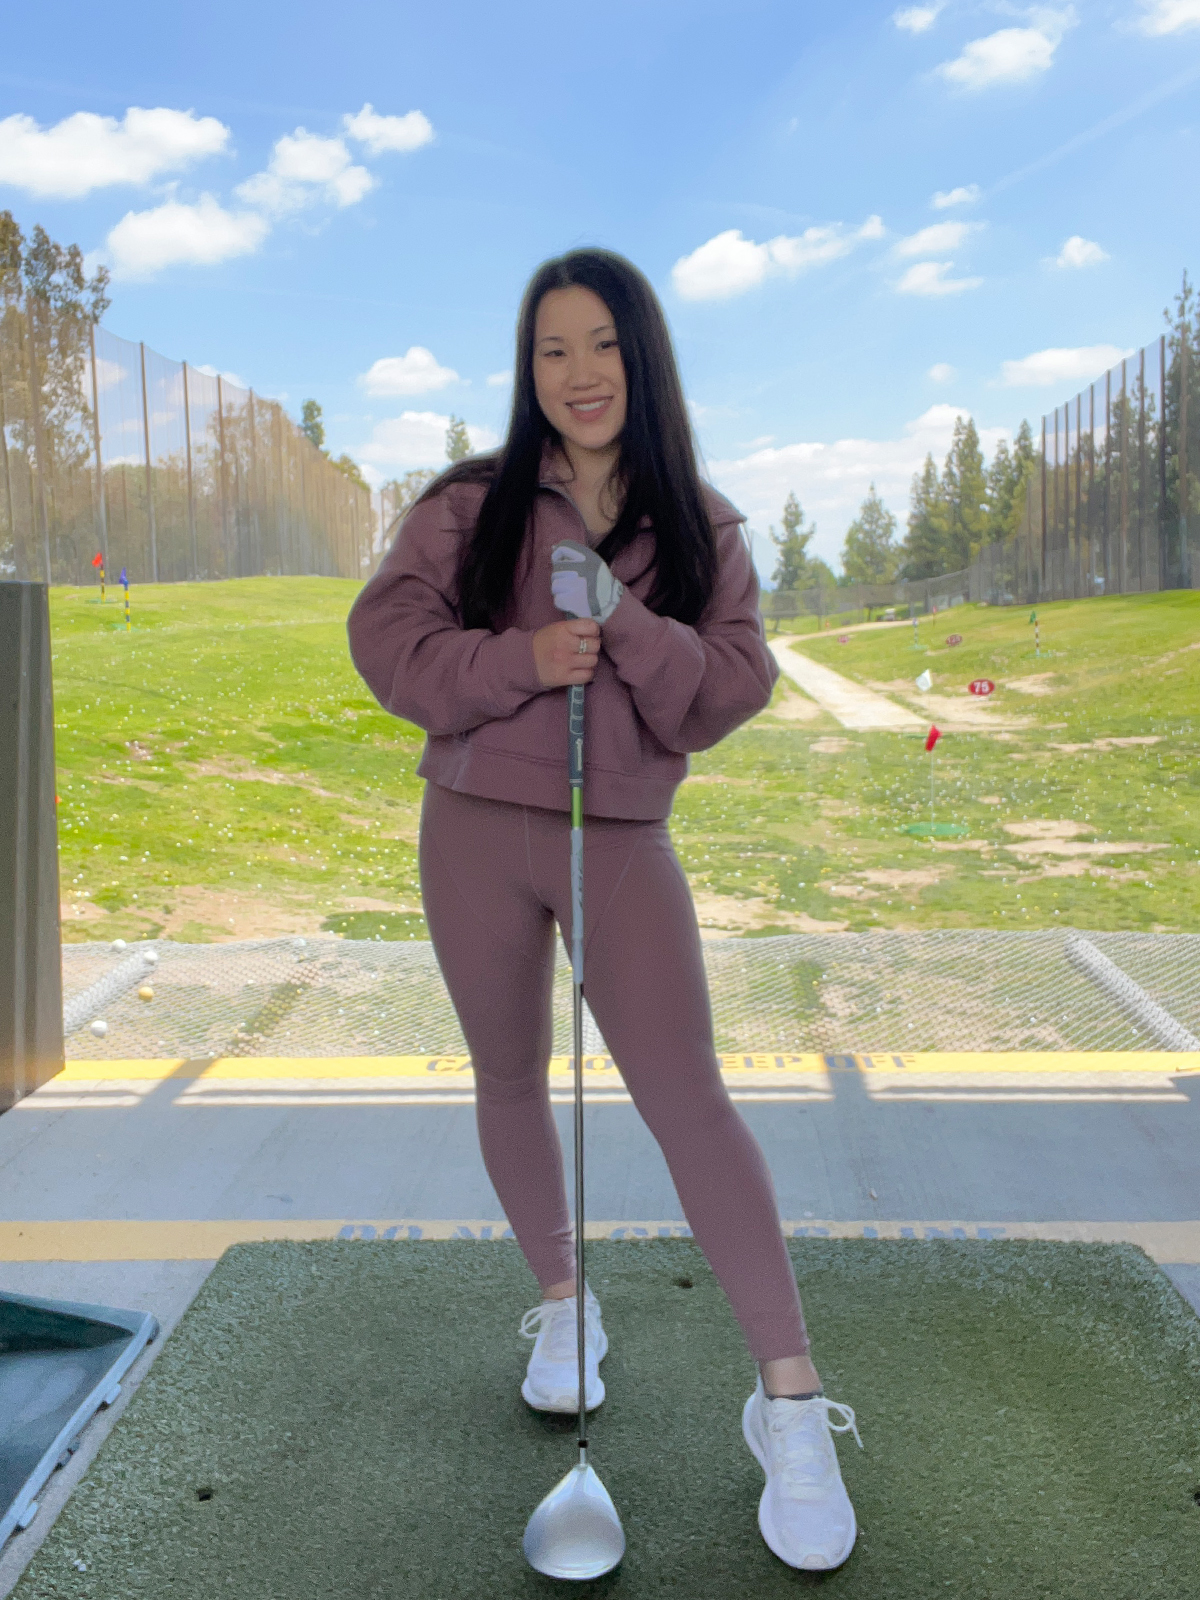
[656, 470]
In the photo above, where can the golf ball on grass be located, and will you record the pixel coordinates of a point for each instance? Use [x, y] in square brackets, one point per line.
[145, 992]
[99, 1027]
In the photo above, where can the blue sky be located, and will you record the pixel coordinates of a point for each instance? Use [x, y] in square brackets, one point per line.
[862, 219]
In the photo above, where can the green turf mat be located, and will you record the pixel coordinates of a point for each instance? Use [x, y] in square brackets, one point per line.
[344, 1420]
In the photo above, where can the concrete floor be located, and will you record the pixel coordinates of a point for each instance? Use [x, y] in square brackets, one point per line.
[1082, 1150]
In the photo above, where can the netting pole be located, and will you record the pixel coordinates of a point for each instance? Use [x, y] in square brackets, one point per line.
[222, 486]
[149, 482]
[96, 445]
[1162, 452]
[1043, 503]
[38, 446]
[1184, 553]
[1091, 492]
[1125, 471]
[1108, 489]
[8, 494]
[255, 499]
[283, 489]
[1080, 565]
[191, 497]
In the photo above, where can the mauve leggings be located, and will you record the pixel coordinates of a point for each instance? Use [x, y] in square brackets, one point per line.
[495, 879]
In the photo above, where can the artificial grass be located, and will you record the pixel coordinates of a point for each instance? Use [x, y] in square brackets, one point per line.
[344, 1420]
[223, 772]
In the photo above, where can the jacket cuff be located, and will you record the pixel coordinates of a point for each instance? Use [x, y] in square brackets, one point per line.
[510, 665]
[638, 640]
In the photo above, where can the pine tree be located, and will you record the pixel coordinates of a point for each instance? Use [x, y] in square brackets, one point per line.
[403, 493]
[964, 489]
[311, 424]
[351, 469]
[791, 570]
[869, 553]
[923, 552]
[458, 441]
[1007, 478]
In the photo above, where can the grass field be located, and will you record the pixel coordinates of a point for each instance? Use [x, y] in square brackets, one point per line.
[224, 773]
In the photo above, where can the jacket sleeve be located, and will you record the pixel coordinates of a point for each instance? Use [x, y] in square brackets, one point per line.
[693, 685]
[408, 644]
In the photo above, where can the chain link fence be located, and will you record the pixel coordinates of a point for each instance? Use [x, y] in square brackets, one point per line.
[1111, 507]
[856, 993]
[906, 597]
[166, 470]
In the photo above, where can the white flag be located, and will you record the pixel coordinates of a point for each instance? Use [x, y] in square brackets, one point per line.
[925, 681]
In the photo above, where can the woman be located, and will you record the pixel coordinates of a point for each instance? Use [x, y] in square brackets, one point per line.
[459, 633]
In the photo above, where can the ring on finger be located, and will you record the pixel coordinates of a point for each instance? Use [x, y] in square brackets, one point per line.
[583, 647]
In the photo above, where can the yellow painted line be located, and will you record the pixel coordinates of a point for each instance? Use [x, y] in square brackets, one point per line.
[428, 1068]
[601, 1068]
[192, 1240]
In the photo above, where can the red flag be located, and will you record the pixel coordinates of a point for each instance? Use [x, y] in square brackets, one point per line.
[932, 737]
[97, 559]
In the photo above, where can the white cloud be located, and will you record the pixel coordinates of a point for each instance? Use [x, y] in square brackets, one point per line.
[729, 264]
[175, 234]
[965, 195]
[1080, 252]
[498, 380]
[225, 377]
[109, 373]
[415, 372]
[85, 152]
[941, 372]
[916, 19]
[832, 479]
[1045, 368]
[929, 278]
[381, 134]
[934, 240]
[416, 439]
[1161, 17]
[305, 167]
[1011, 55]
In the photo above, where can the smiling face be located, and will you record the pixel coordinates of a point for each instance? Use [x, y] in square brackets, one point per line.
[578, 374]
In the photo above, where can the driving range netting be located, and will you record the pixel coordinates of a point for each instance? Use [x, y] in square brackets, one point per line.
[844, 992]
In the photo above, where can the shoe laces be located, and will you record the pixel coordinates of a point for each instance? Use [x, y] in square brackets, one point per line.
[557, 1318]
[799, 1435]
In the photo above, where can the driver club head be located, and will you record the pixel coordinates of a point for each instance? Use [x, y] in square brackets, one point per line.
[575, 1532]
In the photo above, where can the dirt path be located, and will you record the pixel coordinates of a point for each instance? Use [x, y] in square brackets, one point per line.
[853, 705]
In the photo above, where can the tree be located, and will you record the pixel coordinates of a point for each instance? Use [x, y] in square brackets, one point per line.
[458, 441]
[311, 424]
[964, 491]
[923, 550]
[791, 570]
[403, 493]
[1007, 478]
[1183, 335]
[869, 552]
[48, 307]
[351, 469]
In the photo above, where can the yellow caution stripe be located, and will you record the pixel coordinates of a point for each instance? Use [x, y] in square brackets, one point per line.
[598, 1068]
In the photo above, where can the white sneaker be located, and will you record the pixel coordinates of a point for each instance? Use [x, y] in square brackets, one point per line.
[552, 1381]
[805, 1513]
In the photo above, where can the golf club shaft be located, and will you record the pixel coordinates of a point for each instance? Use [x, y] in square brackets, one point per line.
[575, 777]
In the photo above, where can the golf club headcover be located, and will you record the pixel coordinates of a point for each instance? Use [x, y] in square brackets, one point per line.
[582, 584]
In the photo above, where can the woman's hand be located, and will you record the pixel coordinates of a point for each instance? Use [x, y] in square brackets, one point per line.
[566, 652]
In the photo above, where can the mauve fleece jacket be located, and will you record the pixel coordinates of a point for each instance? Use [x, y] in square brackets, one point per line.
[661, 688]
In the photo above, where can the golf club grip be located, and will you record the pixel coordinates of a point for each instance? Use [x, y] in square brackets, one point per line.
[575, 737]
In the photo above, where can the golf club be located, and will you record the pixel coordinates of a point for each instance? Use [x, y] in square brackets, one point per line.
[576, 1532]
